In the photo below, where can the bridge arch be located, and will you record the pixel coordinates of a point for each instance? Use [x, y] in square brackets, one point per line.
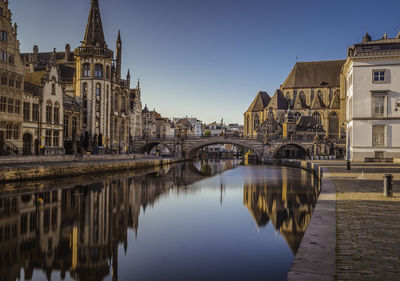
[190, 152]
[291, 150]
[147, 147]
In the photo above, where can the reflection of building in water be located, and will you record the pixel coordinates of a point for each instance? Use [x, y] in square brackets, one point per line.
[286, 202]
[76, 229]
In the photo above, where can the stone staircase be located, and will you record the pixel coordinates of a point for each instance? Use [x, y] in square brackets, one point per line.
[8, 148]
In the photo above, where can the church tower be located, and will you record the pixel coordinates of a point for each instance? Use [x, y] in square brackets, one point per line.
[119, 55]
[93, 79]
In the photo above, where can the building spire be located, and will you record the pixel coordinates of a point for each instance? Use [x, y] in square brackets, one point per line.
[94, 35]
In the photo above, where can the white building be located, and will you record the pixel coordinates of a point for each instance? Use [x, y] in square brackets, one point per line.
[371, 76]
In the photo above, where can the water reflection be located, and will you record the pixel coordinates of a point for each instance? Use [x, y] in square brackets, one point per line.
[76, 230]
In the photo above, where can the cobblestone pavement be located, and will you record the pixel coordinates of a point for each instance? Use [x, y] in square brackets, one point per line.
[368, 227]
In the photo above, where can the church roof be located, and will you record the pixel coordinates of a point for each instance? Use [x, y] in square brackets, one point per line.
[314, 74]
[278, 101]
[35, 77]
[260, 102]
[94, 35]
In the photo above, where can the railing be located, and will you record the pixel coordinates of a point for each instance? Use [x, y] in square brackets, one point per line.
[9, 148]
[81, 51]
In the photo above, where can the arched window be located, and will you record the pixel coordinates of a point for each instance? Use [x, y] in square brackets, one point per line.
[107, 72]
[98, 70]
[49, 109]
[256, 122]
[123, 104]
[116, 107]
[333, 124]
[297, 116]
[122, 131]
[317, 117]
[86, 70]
[56, 113]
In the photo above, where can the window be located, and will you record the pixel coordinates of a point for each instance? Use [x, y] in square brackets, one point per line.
[56, 114]
[317, 118]
[49, 109]
[86, 70]
[4, 36]
[9, 131]
[333, 124]
[4, 79]
[66, 126]
[47, 139]
[74, 124]
[378, 133]
[379, 106]
[27, 111]
[379, 76]
[10, 105]
[11, 58]
[17, 107]
[123, 105]
[1, 11]
[3, 56]
[56, 138]
[18, 84]
[98, 70]
[11, 82]
[98, 90]
[256, 122]
[35, 112]
[16, 131]
[3, 104]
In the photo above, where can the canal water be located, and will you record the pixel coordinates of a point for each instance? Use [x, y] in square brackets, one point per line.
[210, 220]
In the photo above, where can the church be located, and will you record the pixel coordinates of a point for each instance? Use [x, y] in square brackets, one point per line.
[312, 90]
[75, 100]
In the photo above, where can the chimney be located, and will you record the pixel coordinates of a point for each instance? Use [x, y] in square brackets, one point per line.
[67, 52]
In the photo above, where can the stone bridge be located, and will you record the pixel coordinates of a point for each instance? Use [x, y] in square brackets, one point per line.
[279, 148]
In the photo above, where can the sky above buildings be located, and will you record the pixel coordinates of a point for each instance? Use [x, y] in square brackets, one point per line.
[209, 58]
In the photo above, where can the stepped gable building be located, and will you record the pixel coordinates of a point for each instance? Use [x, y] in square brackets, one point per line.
[370, 80]
[11, 83]
[99, 107]
[311, 89]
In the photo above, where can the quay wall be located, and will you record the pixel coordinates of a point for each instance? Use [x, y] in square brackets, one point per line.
[45, 170]
[312, 168]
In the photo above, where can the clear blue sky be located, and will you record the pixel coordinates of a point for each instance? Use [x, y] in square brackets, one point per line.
[209, 58]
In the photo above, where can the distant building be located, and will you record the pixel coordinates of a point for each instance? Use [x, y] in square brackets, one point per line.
[371, 81]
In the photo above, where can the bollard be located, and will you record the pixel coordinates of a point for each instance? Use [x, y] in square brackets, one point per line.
[348, 165]
[388, 185]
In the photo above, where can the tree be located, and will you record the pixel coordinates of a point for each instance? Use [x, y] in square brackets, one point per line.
[207, 133]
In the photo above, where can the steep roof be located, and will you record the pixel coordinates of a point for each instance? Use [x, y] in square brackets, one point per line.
[314, 74]
[278, 101]
[35, 77]
[94, 35]
[260, 102]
